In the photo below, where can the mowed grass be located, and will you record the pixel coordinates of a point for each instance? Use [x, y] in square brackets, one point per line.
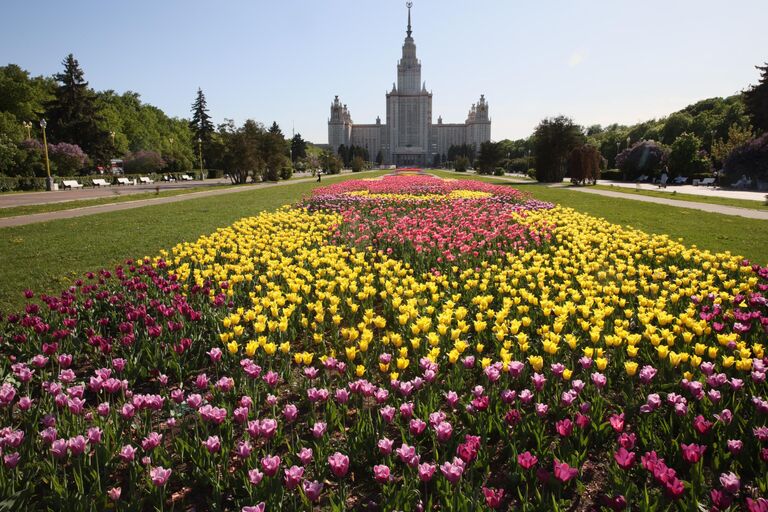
[671, 194]
[15, 211]
[712, 231]
[48, 256]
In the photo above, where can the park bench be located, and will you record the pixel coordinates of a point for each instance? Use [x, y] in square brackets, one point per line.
[168, 178]
[99, 182]
[186, 177]
[705, 182]
[145, 179]
[125, 181]
[641, 179]
[71, 184]
[680, 180]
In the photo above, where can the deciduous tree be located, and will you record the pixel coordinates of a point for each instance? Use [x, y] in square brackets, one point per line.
[554, 139]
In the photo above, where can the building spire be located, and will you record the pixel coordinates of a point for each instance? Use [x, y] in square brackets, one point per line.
[409, 5]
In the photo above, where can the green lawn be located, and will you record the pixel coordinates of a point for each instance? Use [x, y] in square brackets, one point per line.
[671, 194]
[46, 257]
[716, 232]
[14, 211]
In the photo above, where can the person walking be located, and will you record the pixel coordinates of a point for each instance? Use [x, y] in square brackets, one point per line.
[663, 179]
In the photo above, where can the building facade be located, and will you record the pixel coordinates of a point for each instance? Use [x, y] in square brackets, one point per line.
[408, 137]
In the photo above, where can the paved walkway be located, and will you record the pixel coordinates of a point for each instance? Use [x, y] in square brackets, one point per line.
[707, 207]
[113, 207]
[64, 196]
[690, 189]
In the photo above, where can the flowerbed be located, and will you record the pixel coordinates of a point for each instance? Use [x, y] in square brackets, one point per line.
[402, 344]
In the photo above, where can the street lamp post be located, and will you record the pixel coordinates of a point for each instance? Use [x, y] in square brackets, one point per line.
[200, 152]
[49, 181]
[28, 126]
[628, 141]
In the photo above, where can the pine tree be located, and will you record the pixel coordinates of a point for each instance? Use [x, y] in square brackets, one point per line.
[275, 129]
[298, 147]
[756, 99]
[201, 125]
[73, 116]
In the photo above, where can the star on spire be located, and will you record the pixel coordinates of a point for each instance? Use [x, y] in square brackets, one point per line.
[409, 5]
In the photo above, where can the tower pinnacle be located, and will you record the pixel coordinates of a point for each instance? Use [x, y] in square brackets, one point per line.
[409, 5]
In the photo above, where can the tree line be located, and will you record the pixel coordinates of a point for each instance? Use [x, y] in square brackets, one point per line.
[87, 129]
[724, 135]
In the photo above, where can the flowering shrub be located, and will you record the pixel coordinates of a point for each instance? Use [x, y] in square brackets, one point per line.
[288, 362]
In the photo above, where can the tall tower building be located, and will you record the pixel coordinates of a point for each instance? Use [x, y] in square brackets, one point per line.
[408, 137]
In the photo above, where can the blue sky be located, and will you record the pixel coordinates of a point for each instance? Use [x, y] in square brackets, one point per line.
[596, 61]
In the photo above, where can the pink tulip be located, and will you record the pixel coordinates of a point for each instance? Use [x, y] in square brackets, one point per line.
[426, 471]
[159, 475]
[293, 476]
[270, 465]
[212, 444]
[381, 474]
[526, 460]
[312, 490]
[339, 464]
[564, 472]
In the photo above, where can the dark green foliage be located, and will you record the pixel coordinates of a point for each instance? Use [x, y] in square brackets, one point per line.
[465, 150]
[23, 97]
[644, 158]
[686, 156]
[461, 164]
[756, 99]
[298, 148]
[612, 174]
[554, 139]
[275, 129]
[357, 164]
[142, 127]
[517, 165]
[200, 125]
[491, 154]
[675, 125]
[330, 163]
[750, 161]
[73, 115]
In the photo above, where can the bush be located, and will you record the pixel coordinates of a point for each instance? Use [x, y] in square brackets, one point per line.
[517, 165]
[286, 171]
[749, 160]
[612, 175]
[461, 164]
[646, 157]
[357, 164]
[499, 171]
[686, 157]
[69, 158]
[143, 162]
[531, 173]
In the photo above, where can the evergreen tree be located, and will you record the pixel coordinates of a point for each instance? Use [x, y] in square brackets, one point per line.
[756, 99]
[298, 147]
[275, 129]
[73, 116]
[201, 125]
